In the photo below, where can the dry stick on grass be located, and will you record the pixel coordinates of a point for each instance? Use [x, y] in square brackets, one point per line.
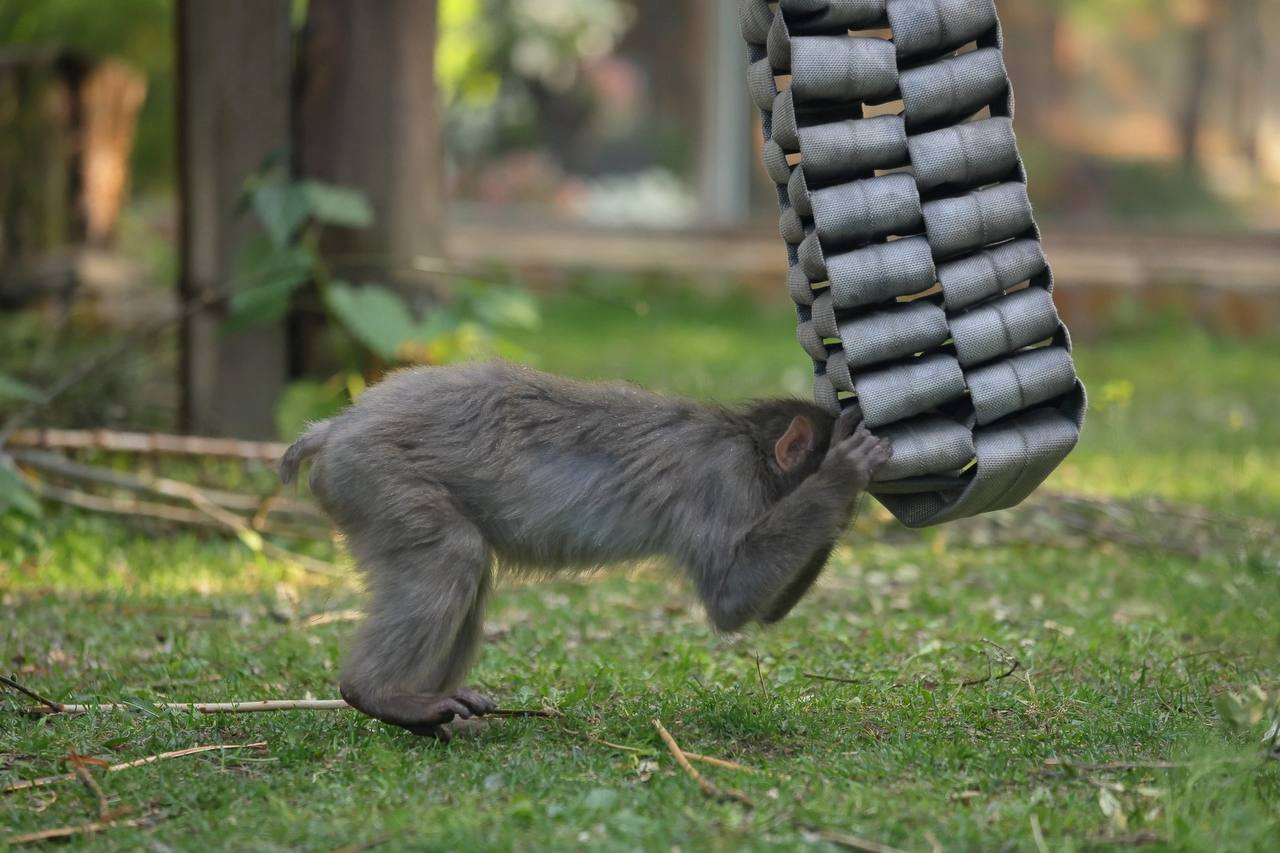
[147, 443]
[839, 680]
[129, 506]
[129, 765]
[853, 842]
[254, 706]
[1114, 765]
[705, 784]
[79, 770]
[692, 756]
[72, 831]
[55, 707]
[54, 463]
[315, 620]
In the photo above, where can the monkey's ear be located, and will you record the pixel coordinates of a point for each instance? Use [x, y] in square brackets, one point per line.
[795, 445]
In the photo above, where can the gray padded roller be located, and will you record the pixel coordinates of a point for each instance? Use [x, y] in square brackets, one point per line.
[967, 155]
[893, 332]
[820, 15]
[848, 149]
[858, 212]
[878, 212]
[926, 445]
[880, 271]
[908, 389]
[984, 274]
[952, 88]
[842, 68]
[1006, 324]
[932, 27]
[991, 215]
[1025, 380]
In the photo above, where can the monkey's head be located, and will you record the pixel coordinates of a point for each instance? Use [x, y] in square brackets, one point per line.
[792, 437]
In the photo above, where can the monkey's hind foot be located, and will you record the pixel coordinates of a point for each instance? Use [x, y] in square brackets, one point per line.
[425, 714]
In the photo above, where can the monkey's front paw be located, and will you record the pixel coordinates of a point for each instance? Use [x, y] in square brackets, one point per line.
[858, 457]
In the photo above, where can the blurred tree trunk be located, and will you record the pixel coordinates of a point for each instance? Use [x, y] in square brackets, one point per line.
[1248, 56]
[1207, 18]
[233, 111]
[366, 116]
[1031, 32]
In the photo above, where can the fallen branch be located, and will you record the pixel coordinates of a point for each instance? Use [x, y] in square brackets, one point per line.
[44, 781]
[315, 620]
[79, 770]
[54, 463]
[818, 677]
[1114, 765]
[72, 831]
[718, 762]
[708, 787]
[147, 443]
[254, 706]
[30, 694]
[852, 842]
[132, 507]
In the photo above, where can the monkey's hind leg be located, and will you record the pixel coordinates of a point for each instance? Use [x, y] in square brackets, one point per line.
[429, 578]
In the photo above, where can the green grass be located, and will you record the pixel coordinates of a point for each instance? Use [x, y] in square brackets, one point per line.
[1125, 655]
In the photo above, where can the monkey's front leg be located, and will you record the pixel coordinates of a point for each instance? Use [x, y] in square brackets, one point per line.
[782, 555]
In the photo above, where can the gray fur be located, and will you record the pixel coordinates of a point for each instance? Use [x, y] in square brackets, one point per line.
[436, 475]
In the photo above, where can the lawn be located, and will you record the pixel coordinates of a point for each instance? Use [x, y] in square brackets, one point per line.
[917, 735]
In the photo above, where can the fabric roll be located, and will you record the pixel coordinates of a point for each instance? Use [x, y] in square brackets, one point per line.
[926, 445]
[853, 214]
[894, 332]
[929, 28]
[843, 68]
[985, 274]
[952, 88]
[880, 272]
[966, 156]
[1004, 325]
[991, 215]
[852, 148]
[908, 389]
[1021, 382]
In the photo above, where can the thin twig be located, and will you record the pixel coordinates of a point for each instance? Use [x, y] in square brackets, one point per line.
[705, 784]
[853, 842]
[1114, 765]
[44, 781]
[839, 680]
[315, 620]
[254, 706]
[147, 443]
[760, 675]
[72, 831]
[718, 762]
[78, 768]
[54, 463]
[55, 707]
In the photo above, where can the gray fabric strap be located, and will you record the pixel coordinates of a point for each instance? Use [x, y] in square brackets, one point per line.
[973, 383]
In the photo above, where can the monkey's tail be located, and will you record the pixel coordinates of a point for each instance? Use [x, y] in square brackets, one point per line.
[307, 445]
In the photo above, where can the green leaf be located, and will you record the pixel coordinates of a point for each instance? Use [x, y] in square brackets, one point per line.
[374, 315]
[507, 307]
[14, 493]
[265, 281]
[307, 401]
[281, 208]
[12, 389]
[335, 205]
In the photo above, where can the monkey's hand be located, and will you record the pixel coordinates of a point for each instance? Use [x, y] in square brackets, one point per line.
[855, 454]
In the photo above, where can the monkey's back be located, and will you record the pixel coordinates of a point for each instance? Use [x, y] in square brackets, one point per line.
[553, 472]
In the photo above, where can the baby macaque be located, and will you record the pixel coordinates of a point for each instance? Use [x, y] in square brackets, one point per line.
[439, 474]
